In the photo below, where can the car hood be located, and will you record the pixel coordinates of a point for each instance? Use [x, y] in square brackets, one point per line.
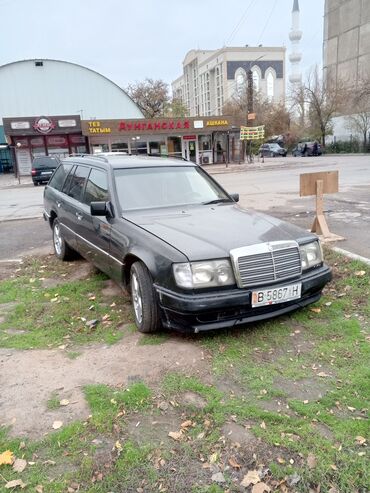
[205, 232]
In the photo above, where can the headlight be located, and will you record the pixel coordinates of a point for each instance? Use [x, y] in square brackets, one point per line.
[311, 255]
[207, 274]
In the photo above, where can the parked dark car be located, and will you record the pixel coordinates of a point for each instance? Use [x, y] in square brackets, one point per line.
[42, 169]
[272, 150]
[192, 258]
[307, 149]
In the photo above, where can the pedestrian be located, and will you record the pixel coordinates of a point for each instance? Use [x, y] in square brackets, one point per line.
[304, 150]
[315, 149]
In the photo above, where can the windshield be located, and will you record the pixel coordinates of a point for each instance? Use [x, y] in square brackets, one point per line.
[45, 162]
[146, 188]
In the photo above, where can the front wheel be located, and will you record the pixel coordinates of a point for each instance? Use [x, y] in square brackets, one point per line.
[61, 248]
[146, 310]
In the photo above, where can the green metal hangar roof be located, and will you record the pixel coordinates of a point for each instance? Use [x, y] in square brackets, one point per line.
[55, 87]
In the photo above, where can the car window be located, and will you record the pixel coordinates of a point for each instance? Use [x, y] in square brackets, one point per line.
[144, 188]
[45, 162]
[96, 187]
[78, 181]
[59, 176]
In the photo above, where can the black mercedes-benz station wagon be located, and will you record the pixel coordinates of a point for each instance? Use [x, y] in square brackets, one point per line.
[190, 256]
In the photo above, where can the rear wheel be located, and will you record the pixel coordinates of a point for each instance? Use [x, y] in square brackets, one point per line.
[146, 310]
[62, 250]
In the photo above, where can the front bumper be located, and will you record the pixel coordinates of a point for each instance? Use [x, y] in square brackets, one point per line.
[198, 312]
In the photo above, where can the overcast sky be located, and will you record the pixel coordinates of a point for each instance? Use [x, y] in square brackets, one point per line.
[128, 40]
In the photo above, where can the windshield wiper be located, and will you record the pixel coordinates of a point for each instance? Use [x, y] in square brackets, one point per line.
[217, 201]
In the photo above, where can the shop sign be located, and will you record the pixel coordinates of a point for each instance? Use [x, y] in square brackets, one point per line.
[198, 124]
[153, 126]
[20, 125]
[57, 141]
[66, 123]
[95, 127]
[217, 123]
[37, 142]
[190, 137]
[24, 162]
[43, 125]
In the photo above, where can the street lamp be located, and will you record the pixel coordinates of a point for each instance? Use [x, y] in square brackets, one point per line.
[250, 99]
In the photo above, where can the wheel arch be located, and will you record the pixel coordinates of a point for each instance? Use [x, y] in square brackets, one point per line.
[137, 256]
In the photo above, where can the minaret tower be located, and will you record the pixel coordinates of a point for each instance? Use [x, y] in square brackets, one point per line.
[295, 56]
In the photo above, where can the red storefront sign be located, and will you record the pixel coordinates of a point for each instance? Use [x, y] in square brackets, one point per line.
[153, 126]
[190, 137]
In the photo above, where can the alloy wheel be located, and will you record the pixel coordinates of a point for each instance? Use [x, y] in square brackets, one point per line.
[136, 298]
[57, 239]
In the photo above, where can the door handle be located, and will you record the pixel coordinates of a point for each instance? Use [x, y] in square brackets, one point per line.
[59, 203]
[79, 216]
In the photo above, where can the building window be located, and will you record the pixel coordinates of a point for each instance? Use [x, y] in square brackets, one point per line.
[240, 81]
[256, 79]
[270, 85]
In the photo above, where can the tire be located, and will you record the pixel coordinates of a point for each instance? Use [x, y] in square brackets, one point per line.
[36, 183]
[61, 249]
[146, 310]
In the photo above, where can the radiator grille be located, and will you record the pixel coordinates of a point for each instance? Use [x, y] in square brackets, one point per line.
[276, 263]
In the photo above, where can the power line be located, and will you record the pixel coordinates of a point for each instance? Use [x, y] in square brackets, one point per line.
[241, 20]
[267, 22]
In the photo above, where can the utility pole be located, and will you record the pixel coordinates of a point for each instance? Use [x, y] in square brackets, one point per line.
[249, 108]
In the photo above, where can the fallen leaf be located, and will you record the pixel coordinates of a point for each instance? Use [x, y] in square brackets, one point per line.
[261, 488]
[305, 402]
[252, 477]
[334, 467]
[6, 457]
[352, 409]
[186, 424]
[280, 460]
[322, 374]
[14, 484]
[360, 273]
[263, 425]
[39, 488]
[176, 435]
[19, 465]
[233, 463]
[213, 458]
[57, 425]
[360, 440]
[315, 310]
[311, 461]
[64, 402]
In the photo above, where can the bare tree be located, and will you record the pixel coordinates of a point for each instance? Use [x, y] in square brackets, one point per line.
[324, 99]
[359, 108]
[274, 116]
[151, 96]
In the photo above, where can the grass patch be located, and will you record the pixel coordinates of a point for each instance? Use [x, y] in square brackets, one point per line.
[42, 317]
[327, 347]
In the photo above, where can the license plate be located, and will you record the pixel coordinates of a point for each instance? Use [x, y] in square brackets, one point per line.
[46, 172]
[276, 295]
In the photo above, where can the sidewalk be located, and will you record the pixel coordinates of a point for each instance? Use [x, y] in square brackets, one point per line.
[8, 180]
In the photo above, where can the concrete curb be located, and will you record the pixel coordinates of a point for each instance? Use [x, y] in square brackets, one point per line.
[351, 255]
[9, 219]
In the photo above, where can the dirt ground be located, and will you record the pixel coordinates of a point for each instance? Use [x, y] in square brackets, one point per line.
[30, 378]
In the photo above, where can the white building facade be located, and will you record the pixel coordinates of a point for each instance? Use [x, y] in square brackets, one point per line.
[211, 78]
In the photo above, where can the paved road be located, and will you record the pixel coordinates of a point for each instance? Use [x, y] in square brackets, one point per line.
[272, 187]
[276, 191]
[24, 237]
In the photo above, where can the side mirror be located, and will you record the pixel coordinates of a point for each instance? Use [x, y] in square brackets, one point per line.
[99, 209]
[234, 196]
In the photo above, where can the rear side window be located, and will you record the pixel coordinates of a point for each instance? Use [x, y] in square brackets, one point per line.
[78, 182]
[96, 187]
[45, 162]
[59, 176]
